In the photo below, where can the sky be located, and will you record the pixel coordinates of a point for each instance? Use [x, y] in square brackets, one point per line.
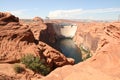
[63, 9]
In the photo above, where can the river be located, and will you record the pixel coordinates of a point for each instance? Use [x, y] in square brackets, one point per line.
[70, 50]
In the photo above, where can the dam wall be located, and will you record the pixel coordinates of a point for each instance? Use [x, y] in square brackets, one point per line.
[65, 30]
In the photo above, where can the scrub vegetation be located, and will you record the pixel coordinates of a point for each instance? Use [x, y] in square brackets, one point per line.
[36, 64]
[85, 52]
[18, 68]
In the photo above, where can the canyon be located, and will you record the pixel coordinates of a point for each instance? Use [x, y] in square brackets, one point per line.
[38, 37]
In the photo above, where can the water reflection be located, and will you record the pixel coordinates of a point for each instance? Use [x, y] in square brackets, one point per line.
[69, 49]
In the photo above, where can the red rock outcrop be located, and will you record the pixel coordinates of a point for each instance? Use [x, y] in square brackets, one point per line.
[37, 28]
[38, 19]
[14, 40]
[53, 57]
[89, 35]
[7, 17]
[48, 35]
[43, 31]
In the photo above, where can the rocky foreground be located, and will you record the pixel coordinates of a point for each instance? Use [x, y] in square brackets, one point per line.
[19, 38]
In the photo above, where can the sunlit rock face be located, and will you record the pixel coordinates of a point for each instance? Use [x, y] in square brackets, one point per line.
[65, 30]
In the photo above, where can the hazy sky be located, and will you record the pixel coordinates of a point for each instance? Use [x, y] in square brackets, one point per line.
[70, 9]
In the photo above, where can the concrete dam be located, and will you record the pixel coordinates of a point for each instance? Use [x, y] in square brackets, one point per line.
[65, 32]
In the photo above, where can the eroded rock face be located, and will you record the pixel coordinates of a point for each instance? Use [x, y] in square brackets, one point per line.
[48, 35]
[37, 28]
[53, 57]
[43, 32]
[14, 40]
[89, 34]
[7, 17]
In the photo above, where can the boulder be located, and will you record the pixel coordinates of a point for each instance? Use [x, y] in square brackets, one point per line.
[39, 19]
[6, 17]
[54, 58]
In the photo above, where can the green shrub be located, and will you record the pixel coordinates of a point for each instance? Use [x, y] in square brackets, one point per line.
[85, 52]
[18, 68]
[35, 64]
